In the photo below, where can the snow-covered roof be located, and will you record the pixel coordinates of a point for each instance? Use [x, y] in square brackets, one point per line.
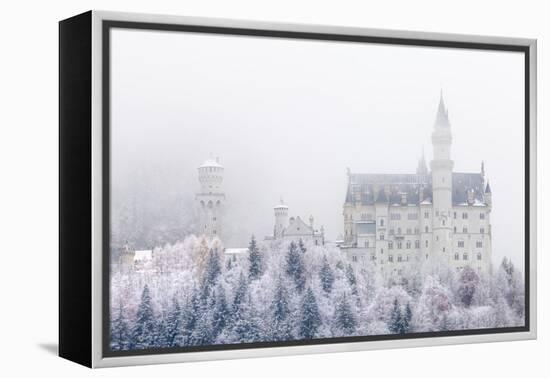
[211, 163]
[235, 251]
[143, 255]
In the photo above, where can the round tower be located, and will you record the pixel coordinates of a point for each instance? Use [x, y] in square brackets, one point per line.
[281, 219]
[210, 200]
[442, 184]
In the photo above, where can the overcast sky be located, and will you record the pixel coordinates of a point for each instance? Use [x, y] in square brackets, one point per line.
[286, 117]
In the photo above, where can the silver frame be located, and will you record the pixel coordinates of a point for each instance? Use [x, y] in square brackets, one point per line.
[99, 361]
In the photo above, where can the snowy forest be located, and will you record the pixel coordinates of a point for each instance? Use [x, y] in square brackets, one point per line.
[192, 293]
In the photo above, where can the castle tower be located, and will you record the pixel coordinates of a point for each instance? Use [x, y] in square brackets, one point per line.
[442, 182]
[210, 200]
[281, 219]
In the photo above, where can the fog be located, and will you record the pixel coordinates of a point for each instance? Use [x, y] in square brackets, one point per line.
[286, 117]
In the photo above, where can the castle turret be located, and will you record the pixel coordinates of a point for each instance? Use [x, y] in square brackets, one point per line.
[211, 198]
[488, 195]
[422, 168]
[281, 219]
[442, 171]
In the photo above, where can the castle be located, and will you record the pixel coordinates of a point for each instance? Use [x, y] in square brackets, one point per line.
[210, 200]
[295, 229]
[437, 219]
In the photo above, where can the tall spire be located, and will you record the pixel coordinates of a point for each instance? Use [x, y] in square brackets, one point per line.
[442, 118]
[422, 168]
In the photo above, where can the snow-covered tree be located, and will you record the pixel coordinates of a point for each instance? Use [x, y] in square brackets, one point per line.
[254, 260]
[310, 319]
[120, 331]
[281, 322]
[345, 321]
[326, 276]
[144, 331]
[469, 281]
[352, 280]
[295, 266]
[396, 321]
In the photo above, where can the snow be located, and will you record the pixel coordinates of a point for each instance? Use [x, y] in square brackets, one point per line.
[196, 292]
[143, 255]
[211, 163]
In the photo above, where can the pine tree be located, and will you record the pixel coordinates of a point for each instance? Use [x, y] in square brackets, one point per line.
[395, 319]
[281, 329]
[190, 318]
[326, 276]
[345, 322]
[221, 312]
[172, 330]
[240, 292]
[254, 259]
[295, 266]
[406, 319]
[352, 280]
[211, 272]
[310, 318]
[244, 324]
[120, 332]
[144, 332]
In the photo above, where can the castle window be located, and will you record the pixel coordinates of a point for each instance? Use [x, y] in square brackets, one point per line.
[381, 251]
[417, 244]
[479, 244]
[390, 245]
[367, 244]
[464, 215]
[481, 215]
[409, 231]
[479, 256]
[408, 244]
[399, 258]
[395, 216]
[481, 230]
[399, 231]
[465, 256]
[443, 249]
[456, 256]
[426, 256]
[461, 244]
[426, 229]
[381, 236]
[381, 222]
[426, 215]
[416, 230]
[454, 215]
[372, 257]
[407, 257]
[354, 258]
[399, 245]
[426, 244]
[454, 229]
[465, 230]
[390, 258]
[443, 222]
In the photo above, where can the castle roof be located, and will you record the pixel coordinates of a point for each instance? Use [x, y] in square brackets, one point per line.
[211, 162]
[366, 188]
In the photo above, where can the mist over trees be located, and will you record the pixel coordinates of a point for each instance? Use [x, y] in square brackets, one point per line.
[192, 293]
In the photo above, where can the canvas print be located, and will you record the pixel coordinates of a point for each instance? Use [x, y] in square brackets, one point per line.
[281, 191]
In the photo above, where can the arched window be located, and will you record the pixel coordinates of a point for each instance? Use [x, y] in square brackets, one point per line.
[479, 256]
[408, 244]
[381, 222]
[399, 258]
[390, 258]
[426, 244]
[465, 256]
[456, 256]
[426, 229]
